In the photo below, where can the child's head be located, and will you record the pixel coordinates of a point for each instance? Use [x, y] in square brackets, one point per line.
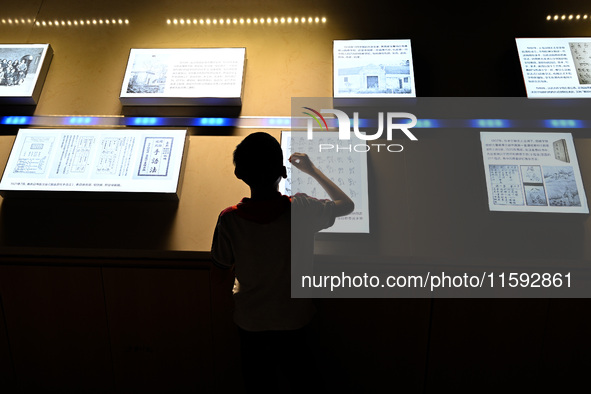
[258, 160]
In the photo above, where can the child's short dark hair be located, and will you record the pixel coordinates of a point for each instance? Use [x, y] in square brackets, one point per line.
[258, 159]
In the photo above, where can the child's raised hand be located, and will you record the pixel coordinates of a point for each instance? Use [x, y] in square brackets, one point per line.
[302, 162]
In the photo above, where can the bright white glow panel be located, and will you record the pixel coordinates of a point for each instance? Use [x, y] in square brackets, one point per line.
[189, 76]
[338, 160]
[556, 67]
[373, 68]
[90, 160]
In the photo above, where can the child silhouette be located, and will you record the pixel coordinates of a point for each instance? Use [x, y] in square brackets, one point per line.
[260, 238]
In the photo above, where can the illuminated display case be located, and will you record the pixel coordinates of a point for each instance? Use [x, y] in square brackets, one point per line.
[96, 162]
[23, 68]
[556, 67]
[184, 77]
[373, 68]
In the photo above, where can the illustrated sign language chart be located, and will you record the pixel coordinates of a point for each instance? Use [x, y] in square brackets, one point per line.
[339, 161]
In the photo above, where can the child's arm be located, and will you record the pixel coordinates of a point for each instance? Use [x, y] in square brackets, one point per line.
[344, 205]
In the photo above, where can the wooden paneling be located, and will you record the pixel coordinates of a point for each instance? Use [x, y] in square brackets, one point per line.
[160, 329]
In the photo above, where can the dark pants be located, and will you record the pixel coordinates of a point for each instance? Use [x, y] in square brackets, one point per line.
[279, 361]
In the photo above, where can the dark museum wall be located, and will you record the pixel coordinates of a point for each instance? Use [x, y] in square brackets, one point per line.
[104, 296]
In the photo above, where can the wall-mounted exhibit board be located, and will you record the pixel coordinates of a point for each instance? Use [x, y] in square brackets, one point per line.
[183, 77]
[532, 172]
[23, 68]
[122, 163]
[373, 68]
[556, 67]
[208, 186]
[344, 162]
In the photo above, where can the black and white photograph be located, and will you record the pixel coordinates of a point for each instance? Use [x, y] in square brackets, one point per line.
[376, 79]
[531, 174]
[148, 74]
[21, 67]
[562, 186]
[581, 52]
[535, 195]
[373, 68]
[561, 150]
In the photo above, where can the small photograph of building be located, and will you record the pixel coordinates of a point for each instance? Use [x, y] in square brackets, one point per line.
[372, 79]
[148, 74]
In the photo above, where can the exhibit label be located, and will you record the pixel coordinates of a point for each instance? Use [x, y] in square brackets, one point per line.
[556, 67]
[90, 160]
[186, 76]
[532, 172]
[373, 68]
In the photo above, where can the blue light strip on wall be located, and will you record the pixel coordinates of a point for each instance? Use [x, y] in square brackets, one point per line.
[427, 123]
[140, 121]
[213, 122]
[82, 121]
[563, 123]
[490, 123]
[270, 122]
[16, 120]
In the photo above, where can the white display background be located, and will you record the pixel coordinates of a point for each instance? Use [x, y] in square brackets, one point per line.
[556, 67]
[347, 169]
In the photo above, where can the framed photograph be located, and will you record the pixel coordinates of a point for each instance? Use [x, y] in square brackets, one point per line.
[98, 162]
[556, 67]
[23, 68]
[372, 68]
[184, 77]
